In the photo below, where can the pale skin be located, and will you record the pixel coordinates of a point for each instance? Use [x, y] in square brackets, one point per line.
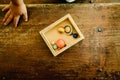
[15, 10]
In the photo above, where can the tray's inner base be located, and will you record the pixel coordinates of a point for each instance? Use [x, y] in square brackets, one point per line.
[53, 34]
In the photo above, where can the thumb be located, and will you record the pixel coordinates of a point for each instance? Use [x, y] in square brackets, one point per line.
[25, 17]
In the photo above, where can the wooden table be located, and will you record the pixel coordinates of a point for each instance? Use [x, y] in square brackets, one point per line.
[61, 1]
[25, 56]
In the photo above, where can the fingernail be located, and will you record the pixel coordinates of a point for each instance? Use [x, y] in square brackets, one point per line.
[5, 24]
[26, 19]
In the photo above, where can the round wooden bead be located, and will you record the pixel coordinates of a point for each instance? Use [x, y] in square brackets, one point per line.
[61, 30]
[60, 43]
[52, 42]
[75, 35]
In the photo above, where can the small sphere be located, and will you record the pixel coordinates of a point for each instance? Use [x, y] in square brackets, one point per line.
[61, 30]
[60, 43]
[100, 70]
[75, 35]
[100, 29]
[54, 46]
[52, 42]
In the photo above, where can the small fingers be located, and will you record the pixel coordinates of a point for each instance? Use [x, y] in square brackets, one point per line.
[25, 16]
[16, 20]
[8, 20]
[6, 8]
[6, 16]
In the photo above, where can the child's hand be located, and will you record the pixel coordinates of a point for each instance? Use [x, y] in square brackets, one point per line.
[14, 13]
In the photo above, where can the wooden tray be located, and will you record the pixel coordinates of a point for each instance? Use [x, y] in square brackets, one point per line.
[51, 33]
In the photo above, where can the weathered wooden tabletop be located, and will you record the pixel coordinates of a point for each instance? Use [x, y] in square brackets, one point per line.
[25, 56]
[61, 1]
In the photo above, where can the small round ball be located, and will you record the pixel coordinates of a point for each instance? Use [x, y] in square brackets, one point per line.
[61, 30]
[52, 42]
[54, 46]
[75, 35]
[60, 43]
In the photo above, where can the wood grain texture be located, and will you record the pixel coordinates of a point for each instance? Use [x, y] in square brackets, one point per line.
[25, 56]
[61, 1]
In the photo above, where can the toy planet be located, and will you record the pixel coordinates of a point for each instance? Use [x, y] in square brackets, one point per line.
[60, 43]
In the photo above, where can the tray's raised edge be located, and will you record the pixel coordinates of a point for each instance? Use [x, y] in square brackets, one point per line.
[55, 23]
[67, 47]
[76, 27]
[46, 41]
[42, 32]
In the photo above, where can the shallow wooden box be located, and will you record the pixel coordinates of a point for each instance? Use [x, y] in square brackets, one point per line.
[51, 33]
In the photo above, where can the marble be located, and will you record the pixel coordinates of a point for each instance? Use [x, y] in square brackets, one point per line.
[54, 46]
[100, 29]
[75, 35]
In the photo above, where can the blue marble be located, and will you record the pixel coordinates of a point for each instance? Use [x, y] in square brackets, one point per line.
[75, 35]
